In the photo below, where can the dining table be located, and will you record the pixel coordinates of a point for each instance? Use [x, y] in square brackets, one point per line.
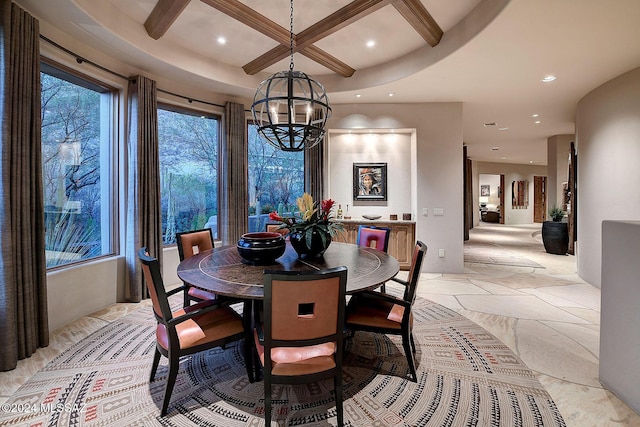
[224, 272]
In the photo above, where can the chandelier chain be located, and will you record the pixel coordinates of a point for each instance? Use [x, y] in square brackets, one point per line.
[291, 36]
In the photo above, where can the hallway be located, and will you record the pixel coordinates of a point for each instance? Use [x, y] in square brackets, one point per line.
[536, 304]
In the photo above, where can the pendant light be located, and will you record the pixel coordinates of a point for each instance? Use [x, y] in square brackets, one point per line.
[290, 108]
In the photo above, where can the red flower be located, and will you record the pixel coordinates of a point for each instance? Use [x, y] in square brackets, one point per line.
[326, 205]
[275, 217]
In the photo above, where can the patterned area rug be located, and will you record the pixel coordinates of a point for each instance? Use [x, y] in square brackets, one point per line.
[466, 377]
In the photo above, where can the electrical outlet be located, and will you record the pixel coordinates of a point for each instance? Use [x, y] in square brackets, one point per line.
[425, 211]
[441, 253]
[438, 211]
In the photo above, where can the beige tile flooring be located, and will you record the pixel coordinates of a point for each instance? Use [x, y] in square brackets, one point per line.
[548, 316]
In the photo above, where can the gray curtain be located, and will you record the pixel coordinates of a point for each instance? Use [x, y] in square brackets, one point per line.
[144, 217]
[233, 182]
[23, 273]
[314, 170]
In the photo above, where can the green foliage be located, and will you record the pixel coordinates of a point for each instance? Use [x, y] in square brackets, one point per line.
[68, 241]
[556, 213]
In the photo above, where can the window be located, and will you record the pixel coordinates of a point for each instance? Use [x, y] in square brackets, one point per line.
[188, 145]
[77, 173]
[276, 179]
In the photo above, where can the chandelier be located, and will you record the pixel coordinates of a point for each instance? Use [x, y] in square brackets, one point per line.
[290, 108]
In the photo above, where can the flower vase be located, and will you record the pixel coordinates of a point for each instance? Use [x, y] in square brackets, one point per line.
[317, 247]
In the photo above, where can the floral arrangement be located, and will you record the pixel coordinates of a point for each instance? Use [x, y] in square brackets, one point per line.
[312, 216]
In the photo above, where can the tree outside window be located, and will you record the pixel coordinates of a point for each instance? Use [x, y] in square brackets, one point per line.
[76, 168]
[188, 148]
[276, 179]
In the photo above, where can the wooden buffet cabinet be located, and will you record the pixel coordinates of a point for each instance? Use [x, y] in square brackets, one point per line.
[402, 238]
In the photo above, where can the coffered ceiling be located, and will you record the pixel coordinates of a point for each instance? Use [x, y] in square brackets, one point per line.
[491, 55]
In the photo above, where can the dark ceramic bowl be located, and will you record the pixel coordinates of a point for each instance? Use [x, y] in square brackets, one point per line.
[261, 248]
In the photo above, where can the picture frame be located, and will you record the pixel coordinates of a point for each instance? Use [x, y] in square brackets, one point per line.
[369, 181]
[485, 190]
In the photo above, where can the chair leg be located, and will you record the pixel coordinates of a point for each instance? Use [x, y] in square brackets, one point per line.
[267, 401]
[154, 364]
[171, 380]
[409, 354]
[413, 343]
[337, 382]
[185, 297]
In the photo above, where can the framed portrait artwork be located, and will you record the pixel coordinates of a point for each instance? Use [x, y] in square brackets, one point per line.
[369, 181]
[484, 190]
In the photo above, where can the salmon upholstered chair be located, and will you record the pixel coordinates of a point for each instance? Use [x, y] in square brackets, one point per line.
[386, 314]
[301, 336]
[374, 237]
[275, 228]
[189, 244]
[192, 329]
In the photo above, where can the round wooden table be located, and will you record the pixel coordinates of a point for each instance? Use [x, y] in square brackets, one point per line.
[224, 272]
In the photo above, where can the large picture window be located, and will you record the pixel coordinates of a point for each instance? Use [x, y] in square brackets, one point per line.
[77, 146]
[188, 146]
[276, 179]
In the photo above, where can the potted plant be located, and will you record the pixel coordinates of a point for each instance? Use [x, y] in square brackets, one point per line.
[555, 233]
[310, 231]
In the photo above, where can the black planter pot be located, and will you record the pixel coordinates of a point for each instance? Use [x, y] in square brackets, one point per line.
[316, 248]
[555, 237]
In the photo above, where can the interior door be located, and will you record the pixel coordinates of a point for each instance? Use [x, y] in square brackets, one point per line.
[539, 199]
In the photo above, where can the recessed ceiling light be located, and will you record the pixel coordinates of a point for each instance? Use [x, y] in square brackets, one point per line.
[222, 40]
[495, 148]
[503, 129]
[535, 115]
[549, 78]
[489, 124]
[503, 158]
[371, 43]
[537, 122]
[358, 95]
[391, 94]
[530, 161]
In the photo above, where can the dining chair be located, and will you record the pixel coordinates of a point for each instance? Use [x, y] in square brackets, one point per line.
[189, 330]
[371, 236]
[275, 228]
[189, 244]
[387, 314]
[299, 338]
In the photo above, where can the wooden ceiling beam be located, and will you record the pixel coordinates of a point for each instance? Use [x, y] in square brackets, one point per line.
[251, 18]
[162, 16]
[329, 61]
[420, 19]
[339, 19]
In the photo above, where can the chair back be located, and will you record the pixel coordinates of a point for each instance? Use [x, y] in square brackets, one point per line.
[201, 240]
[155, 284]
[304, 308]
[370, 236]
[275, 228]
[419, 251]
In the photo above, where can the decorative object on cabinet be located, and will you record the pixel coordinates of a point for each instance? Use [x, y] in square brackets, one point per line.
[372, 217]
[369, 181]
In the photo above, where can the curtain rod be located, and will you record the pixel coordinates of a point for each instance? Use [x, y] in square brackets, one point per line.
[80, 60]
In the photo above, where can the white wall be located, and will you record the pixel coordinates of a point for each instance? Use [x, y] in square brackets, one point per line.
[511, 172]
[438, 170]
[394, 149]
[608, 141]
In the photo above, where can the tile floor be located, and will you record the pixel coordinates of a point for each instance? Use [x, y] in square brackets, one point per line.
[537, 305]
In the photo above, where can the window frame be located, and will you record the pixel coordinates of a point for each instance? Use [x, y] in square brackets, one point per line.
[110, 215]
[165, 105]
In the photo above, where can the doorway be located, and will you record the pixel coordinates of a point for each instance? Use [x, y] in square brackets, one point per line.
[539, 198]
[491, 198]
